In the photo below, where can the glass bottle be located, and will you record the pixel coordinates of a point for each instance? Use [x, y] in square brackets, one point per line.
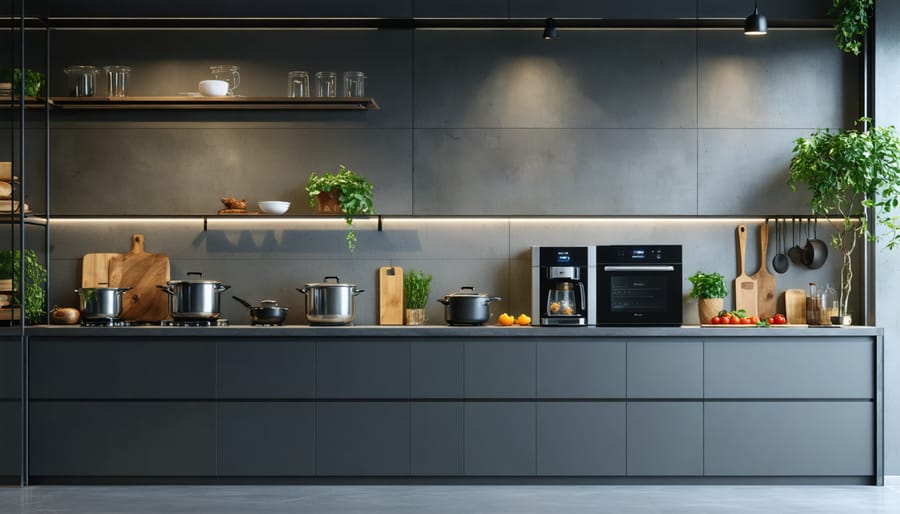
[812, 305]
[828, 304]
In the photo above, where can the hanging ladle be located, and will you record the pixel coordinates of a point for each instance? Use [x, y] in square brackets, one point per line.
[796, 252]
[780, 262]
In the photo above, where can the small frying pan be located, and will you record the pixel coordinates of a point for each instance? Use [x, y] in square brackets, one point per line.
[780, 262]
[796, 252]
[815, 252]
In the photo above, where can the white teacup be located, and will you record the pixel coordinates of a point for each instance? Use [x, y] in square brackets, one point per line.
[213, 87]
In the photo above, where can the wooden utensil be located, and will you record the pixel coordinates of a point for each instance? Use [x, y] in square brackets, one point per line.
[95, 269]
[745, 296]
[390, 295]
[765, 281]
[142, 272]
[795, 306]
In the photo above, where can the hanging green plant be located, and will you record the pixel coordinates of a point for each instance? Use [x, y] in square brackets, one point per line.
[355, 195]
[852, 23]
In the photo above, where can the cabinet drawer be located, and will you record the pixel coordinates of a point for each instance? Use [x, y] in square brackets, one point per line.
[362, 438]
[665, 438]
[581, 369]
[10, 438]
[123, 438]
[10, 364]
[581, 438]
[266, 369]
[499, 438]
[809, 368]
[665, 369]
[362, 369]
[789, 438]
[499, 369]
[436, 438]
[266, 439]
[117, 368]
[436, 369]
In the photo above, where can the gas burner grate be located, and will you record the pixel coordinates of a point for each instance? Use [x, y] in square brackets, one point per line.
[109, 322]
[195, 323]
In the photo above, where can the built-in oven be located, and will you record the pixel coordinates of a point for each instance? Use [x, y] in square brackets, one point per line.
[639, 285]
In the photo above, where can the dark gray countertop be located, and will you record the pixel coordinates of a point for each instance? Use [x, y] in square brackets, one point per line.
[432, 331]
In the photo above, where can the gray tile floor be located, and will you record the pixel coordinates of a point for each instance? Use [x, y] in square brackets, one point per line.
[427, 499]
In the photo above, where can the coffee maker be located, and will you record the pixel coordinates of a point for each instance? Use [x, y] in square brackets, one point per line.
[563, 284]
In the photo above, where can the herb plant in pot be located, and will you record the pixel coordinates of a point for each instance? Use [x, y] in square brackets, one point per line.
[710, 290]
[416, 287]
[851, 175]
[34, 80]
[35, 278]
[342, 192]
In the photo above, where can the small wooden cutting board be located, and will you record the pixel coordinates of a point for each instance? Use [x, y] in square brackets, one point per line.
[95, 269]
[390, 295]
[795, 306]
[745, 296]
[765, 281]
[142, 272]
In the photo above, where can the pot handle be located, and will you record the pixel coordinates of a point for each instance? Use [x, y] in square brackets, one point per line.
[470, 288]
[357, 291]
[243, 302]
[222, 287]
[198, 273]
[336, 279]
[441, 300]
[166, 289]
[493, 299]
[303, 289]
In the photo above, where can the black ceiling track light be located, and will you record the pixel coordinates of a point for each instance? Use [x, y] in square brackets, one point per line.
[550, 29]
[756, 24]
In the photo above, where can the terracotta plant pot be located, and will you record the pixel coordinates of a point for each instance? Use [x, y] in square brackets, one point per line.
[328, 202]
[709, 307]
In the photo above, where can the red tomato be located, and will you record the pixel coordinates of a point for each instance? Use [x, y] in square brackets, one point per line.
[715, 320]
[735, 320]
[780, 319]
[771, 320]
[745, 321]
[754, 320]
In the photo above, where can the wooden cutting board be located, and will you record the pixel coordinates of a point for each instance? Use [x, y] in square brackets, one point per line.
[390, 295]
[95, 269]
[765, 281]
[795, 306]
[142, 272]
[745, 296]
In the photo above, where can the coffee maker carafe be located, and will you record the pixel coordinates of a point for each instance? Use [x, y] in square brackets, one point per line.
[562, 281]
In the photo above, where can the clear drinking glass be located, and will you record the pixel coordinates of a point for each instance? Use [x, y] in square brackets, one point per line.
[298, 84]
[326, 83]
[82, 80]
[228, 73]
[354, 83]
[117, 80]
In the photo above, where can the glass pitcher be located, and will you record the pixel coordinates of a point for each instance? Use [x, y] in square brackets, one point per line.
[561, 299]
[228, 73]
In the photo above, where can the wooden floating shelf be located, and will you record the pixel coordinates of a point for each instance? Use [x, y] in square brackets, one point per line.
[214, 103]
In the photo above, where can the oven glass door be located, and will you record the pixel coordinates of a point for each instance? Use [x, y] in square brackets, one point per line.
[639, 295]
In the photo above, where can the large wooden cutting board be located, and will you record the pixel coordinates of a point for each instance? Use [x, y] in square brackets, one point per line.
[765, 281]
[744, 286]
[390, 295]
[95, 269]
[142, 272]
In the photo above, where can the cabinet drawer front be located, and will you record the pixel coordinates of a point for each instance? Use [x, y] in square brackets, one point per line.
[362, 369]
[10, 438]
[266, 369]
[123, 438]
[436, 369]
[362, 438]
[499, 438]
[665, 369]
[499, 370]
[665, 438]
[808, 368]
[10, 364]
[436, 438]
[581, 438]
[789, 438]
[118, 368]
[581, 369]
[266, 439]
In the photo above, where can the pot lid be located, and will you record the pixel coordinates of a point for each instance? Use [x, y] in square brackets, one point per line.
[326, 283]
[270, 304]
[466, 292]
[189, 280]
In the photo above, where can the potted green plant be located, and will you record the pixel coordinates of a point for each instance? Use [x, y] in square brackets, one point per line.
[35, 278]
[416, 287]
[33, 80]
[342, 192]
[851, 24]
[710, 291]
[851, 174]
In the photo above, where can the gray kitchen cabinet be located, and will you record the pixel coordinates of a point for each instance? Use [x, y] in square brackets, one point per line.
[571, 368]
[789, 368]
[122, 368]
[261, 8]
[580, 438]
[665, 369]
[665, 438]
[436, 445]
[460, 9]
[608, 9]
[266, 438]
[499, 369]
[10, 440]
[436, 369]
[500, 438]
[10, 364]
[265, 368]
[147, 438]
[788, 438]
[362, 369]
[362, 438]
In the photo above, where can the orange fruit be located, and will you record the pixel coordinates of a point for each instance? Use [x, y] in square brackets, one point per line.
[506, 320]
[523, 319]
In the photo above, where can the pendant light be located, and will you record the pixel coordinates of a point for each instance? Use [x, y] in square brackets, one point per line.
[550, 29]
[756, 24]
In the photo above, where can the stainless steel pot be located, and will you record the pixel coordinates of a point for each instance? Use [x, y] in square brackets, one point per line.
[466, 307]
[194, 299]
[100, 303]
[269, 313]
[330, 303]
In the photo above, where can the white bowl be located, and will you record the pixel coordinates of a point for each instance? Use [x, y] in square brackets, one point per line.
[274, 207]
[213, 87]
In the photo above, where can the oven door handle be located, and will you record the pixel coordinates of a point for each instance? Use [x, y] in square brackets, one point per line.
[638, 268]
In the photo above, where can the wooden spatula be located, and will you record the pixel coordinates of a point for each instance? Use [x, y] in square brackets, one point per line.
[745, 296]
[765, 281]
